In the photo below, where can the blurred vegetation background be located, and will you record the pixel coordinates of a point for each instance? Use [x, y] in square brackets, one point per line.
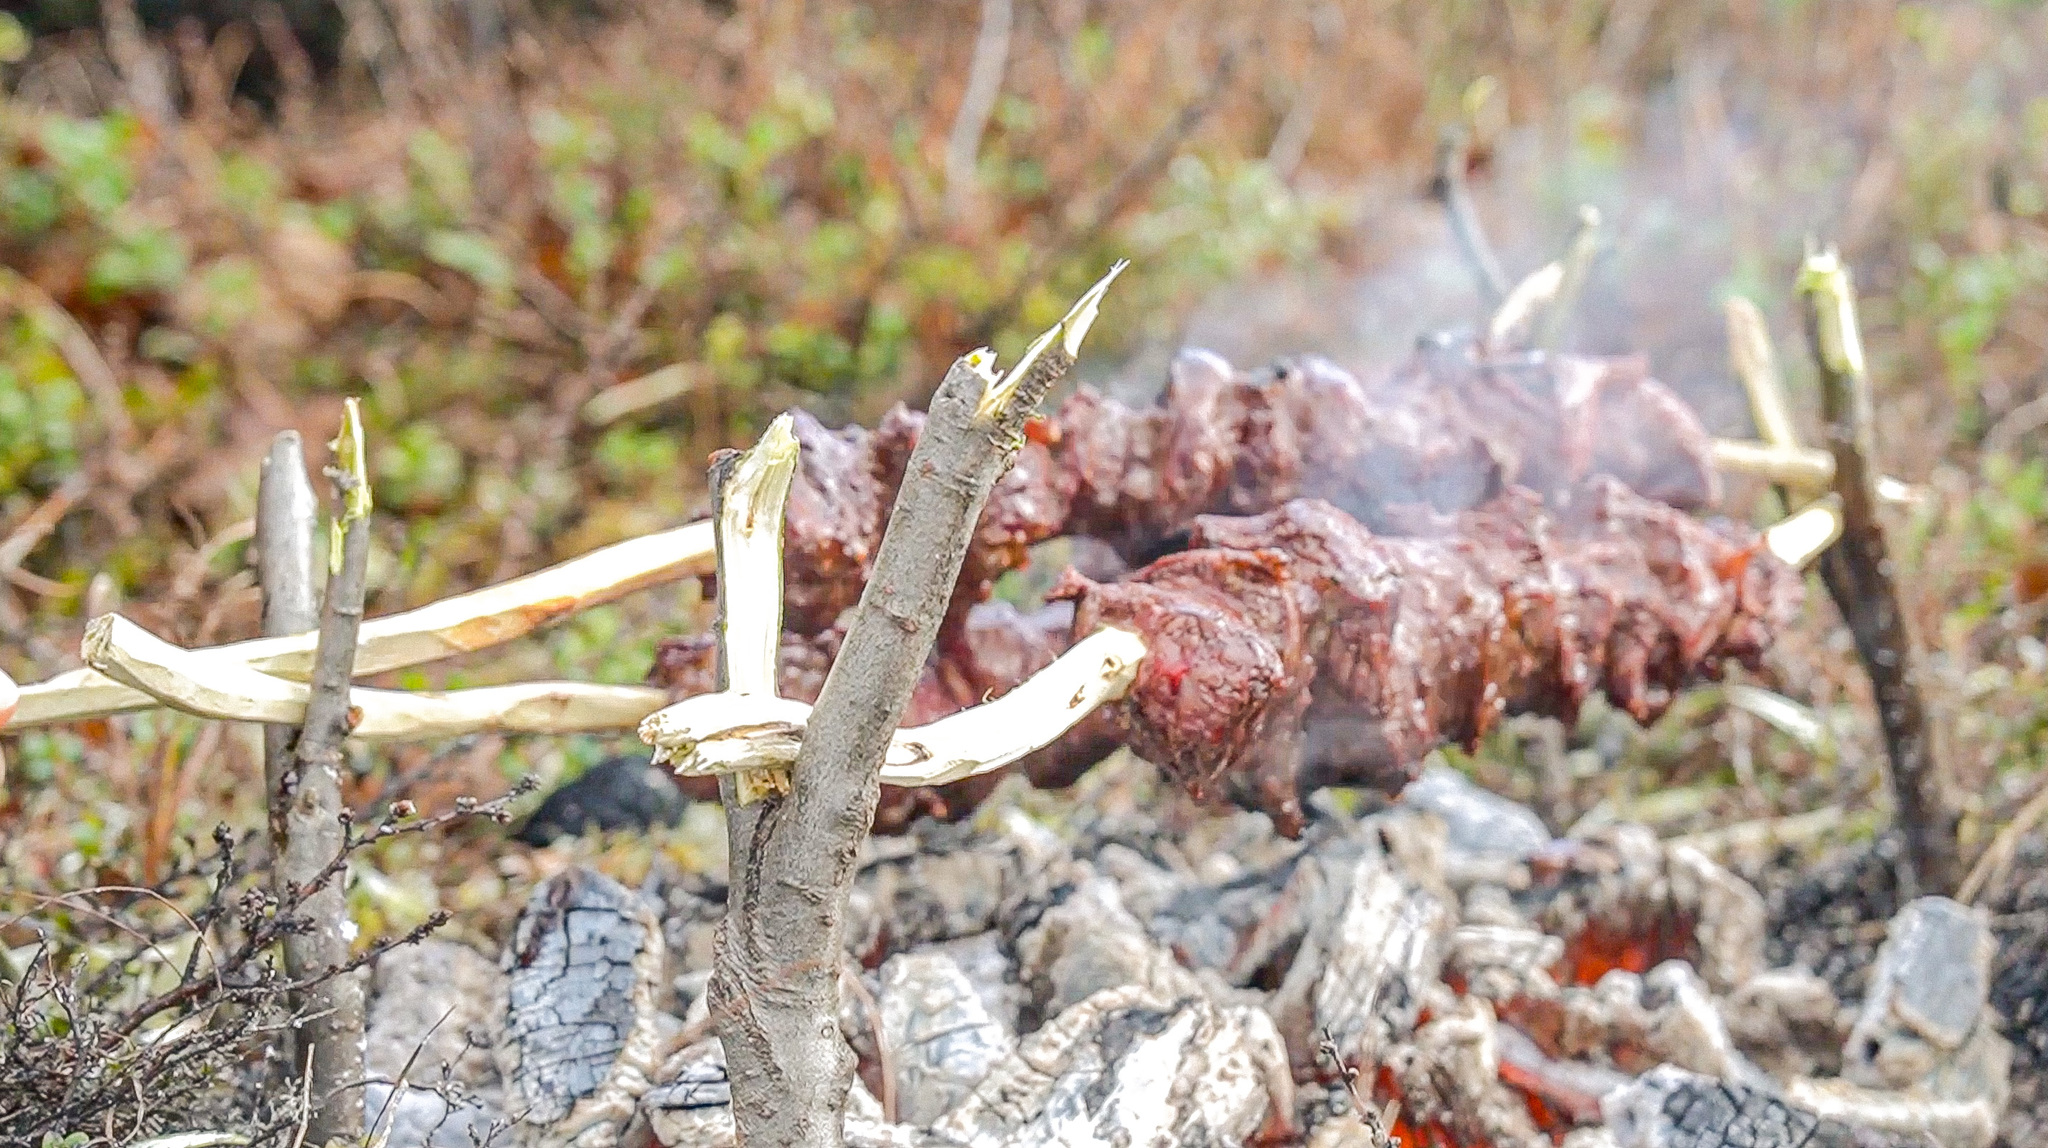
[566, 249]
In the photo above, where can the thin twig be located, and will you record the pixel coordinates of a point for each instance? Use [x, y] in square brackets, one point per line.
[1998, 856]
[315, 825]
[1452, 153]
[1858, 575]
[984, 84]
[885, 1056]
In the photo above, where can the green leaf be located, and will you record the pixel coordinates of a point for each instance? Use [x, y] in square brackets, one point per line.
[14, 40]
[473, 255]
[142, 259]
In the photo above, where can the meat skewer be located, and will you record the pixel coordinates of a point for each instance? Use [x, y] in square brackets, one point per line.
[1450, 430]
[1298, 648]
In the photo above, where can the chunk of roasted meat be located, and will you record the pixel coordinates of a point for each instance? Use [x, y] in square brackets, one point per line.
[1298, 648]
[1390, 646]
[1449, 430]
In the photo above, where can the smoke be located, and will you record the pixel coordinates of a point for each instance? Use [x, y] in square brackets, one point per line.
[1696, 203]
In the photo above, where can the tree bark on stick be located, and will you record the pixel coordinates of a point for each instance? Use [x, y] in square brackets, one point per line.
[775, 982]
[287, 511]
[1858, 574]
[332, 1052]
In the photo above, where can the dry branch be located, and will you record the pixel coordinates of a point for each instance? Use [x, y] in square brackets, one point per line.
[316, 821]
[287, 510]
[776, 980]
[984, 84]
[189, 682]
[1858, 575]
[458, 625]
[1452, 153]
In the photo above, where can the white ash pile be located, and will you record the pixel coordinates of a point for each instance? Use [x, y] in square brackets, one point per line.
[1007, 986]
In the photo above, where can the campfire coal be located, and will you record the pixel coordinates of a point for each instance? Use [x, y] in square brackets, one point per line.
[1105, 980]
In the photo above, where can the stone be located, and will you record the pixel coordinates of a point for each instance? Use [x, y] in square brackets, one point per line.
[939, 1033]
[433, 1004]
[1927, 994]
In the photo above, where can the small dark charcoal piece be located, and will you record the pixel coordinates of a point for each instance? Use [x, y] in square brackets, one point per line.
[617, 793]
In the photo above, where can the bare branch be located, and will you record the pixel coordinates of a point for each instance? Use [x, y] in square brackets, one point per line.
[316, 825]
[458, 625]
[984, 84]
[777, 970]
[1452, 152]
[287, 511]
[1858, 575]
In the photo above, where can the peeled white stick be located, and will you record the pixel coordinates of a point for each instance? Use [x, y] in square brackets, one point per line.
[723, 733]
[208, 687]
[1749, 350]
[1798, 467]
[458, 625]
[1534, 293]
[1800, 539]
[1779, 458]
[750, 559]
